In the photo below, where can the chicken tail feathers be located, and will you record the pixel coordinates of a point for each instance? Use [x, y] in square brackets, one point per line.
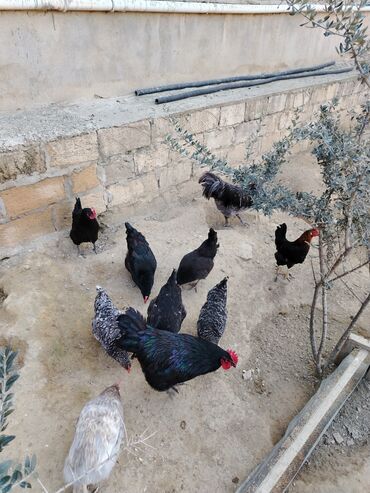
[130, 323]
[77, 207]
[280, 234]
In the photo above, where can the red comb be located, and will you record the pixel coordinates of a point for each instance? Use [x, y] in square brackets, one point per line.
[233, 355]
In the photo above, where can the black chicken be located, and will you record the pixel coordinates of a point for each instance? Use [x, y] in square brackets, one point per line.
[213, 314]
[168, 359]
[290, 253]
[198, 264]
[166, 311]
[85, 226]
[230, 199]
[140, 261]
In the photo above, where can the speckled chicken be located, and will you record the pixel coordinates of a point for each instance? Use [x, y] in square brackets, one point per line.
[166, 311]
[97, 440]
[106, 330]
[213, 314]
[230, 199]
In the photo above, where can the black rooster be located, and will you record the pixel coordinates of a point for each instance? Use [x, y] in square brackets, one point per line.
[166, 311]
[85, 226]
[213, 314]
[140, 261]
[290, 253]
[230, 199]
[198, 264]
[168, 359]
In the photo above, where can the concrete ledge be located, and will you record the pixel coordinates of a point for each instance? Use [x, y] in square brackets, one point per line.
[279, 468]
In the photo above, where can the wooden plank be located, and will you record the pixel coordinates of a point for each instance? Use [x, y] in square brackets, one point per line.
[360, 341]
[282, 464]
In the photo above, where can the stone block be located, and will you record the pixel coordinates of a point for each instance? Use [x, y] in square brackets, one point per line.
[84, 180]
[143, 187]
[96, 198]
[26, 228]
[161, 127]
[231, 115]
[148, 159]
[118, 140]
[246, 131]
[62, 214]
[72, 151]
[18, 200]
[255, 109]
[174, 174]
[276, 103]
[236, 155]
[23, 161]
[201, 121]
[119, 168]
[221, 137]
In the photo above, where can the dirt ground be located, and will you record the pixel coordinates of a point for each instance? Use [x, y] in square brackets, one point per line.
[211, 435]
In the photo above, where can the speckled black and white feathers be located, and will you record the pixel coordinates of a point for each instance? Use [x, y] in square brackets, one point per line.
[140, 261]
[166, 358]
[230, 199]
[97, 440]
[198, 264]
[105, 327]
[213, 314]
[166, 311]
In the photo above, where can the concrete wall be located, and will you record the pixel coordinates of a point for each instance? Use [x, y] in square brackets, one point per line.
[118, 167]
[53, 56]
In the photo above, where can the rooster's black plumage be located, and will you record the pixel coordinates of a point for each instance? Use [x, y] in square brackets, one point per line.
[85, 227]
[230, 199]
[140, 261]
[198, 264]
[166, 311]
[288, 252]
[167, 358]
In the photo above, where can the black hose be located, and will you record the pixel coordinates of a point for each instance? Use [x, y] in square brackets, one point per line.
[237, 85]
[202, 83]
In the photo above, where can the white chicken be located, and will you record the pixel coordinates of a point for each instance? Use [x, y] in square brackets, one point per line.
[97, 441]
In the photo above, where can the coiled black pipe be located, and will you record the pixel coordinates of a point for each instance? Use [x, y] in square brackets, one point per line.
[202, 83]
[237, 85]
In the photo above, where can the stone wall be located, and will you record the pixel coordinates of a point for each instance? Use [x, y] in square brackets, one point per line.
[120, 166]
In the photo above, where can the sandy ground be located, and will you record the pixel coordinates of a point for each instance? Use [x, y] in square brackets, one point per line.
[211, 435]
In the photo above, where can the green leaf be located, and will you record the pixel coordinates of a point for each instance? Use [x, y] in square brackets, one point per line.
[10, 360]
[4, 480]
[16, 476]
[25, 484]
[11, 381]
[5, 440]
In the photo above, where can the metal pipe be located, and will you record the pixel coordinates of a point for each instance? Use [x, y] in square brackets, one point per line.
[160, 6]
[238, 85]
[184, 85]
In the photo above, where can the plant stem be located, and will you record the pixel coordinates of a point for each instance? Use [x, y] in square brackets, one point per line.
[339, 346]
[324, 305]
[312, 323]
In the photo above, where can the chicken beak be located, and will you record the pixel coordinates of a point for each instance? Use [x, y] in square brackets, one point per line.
[146, 298]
